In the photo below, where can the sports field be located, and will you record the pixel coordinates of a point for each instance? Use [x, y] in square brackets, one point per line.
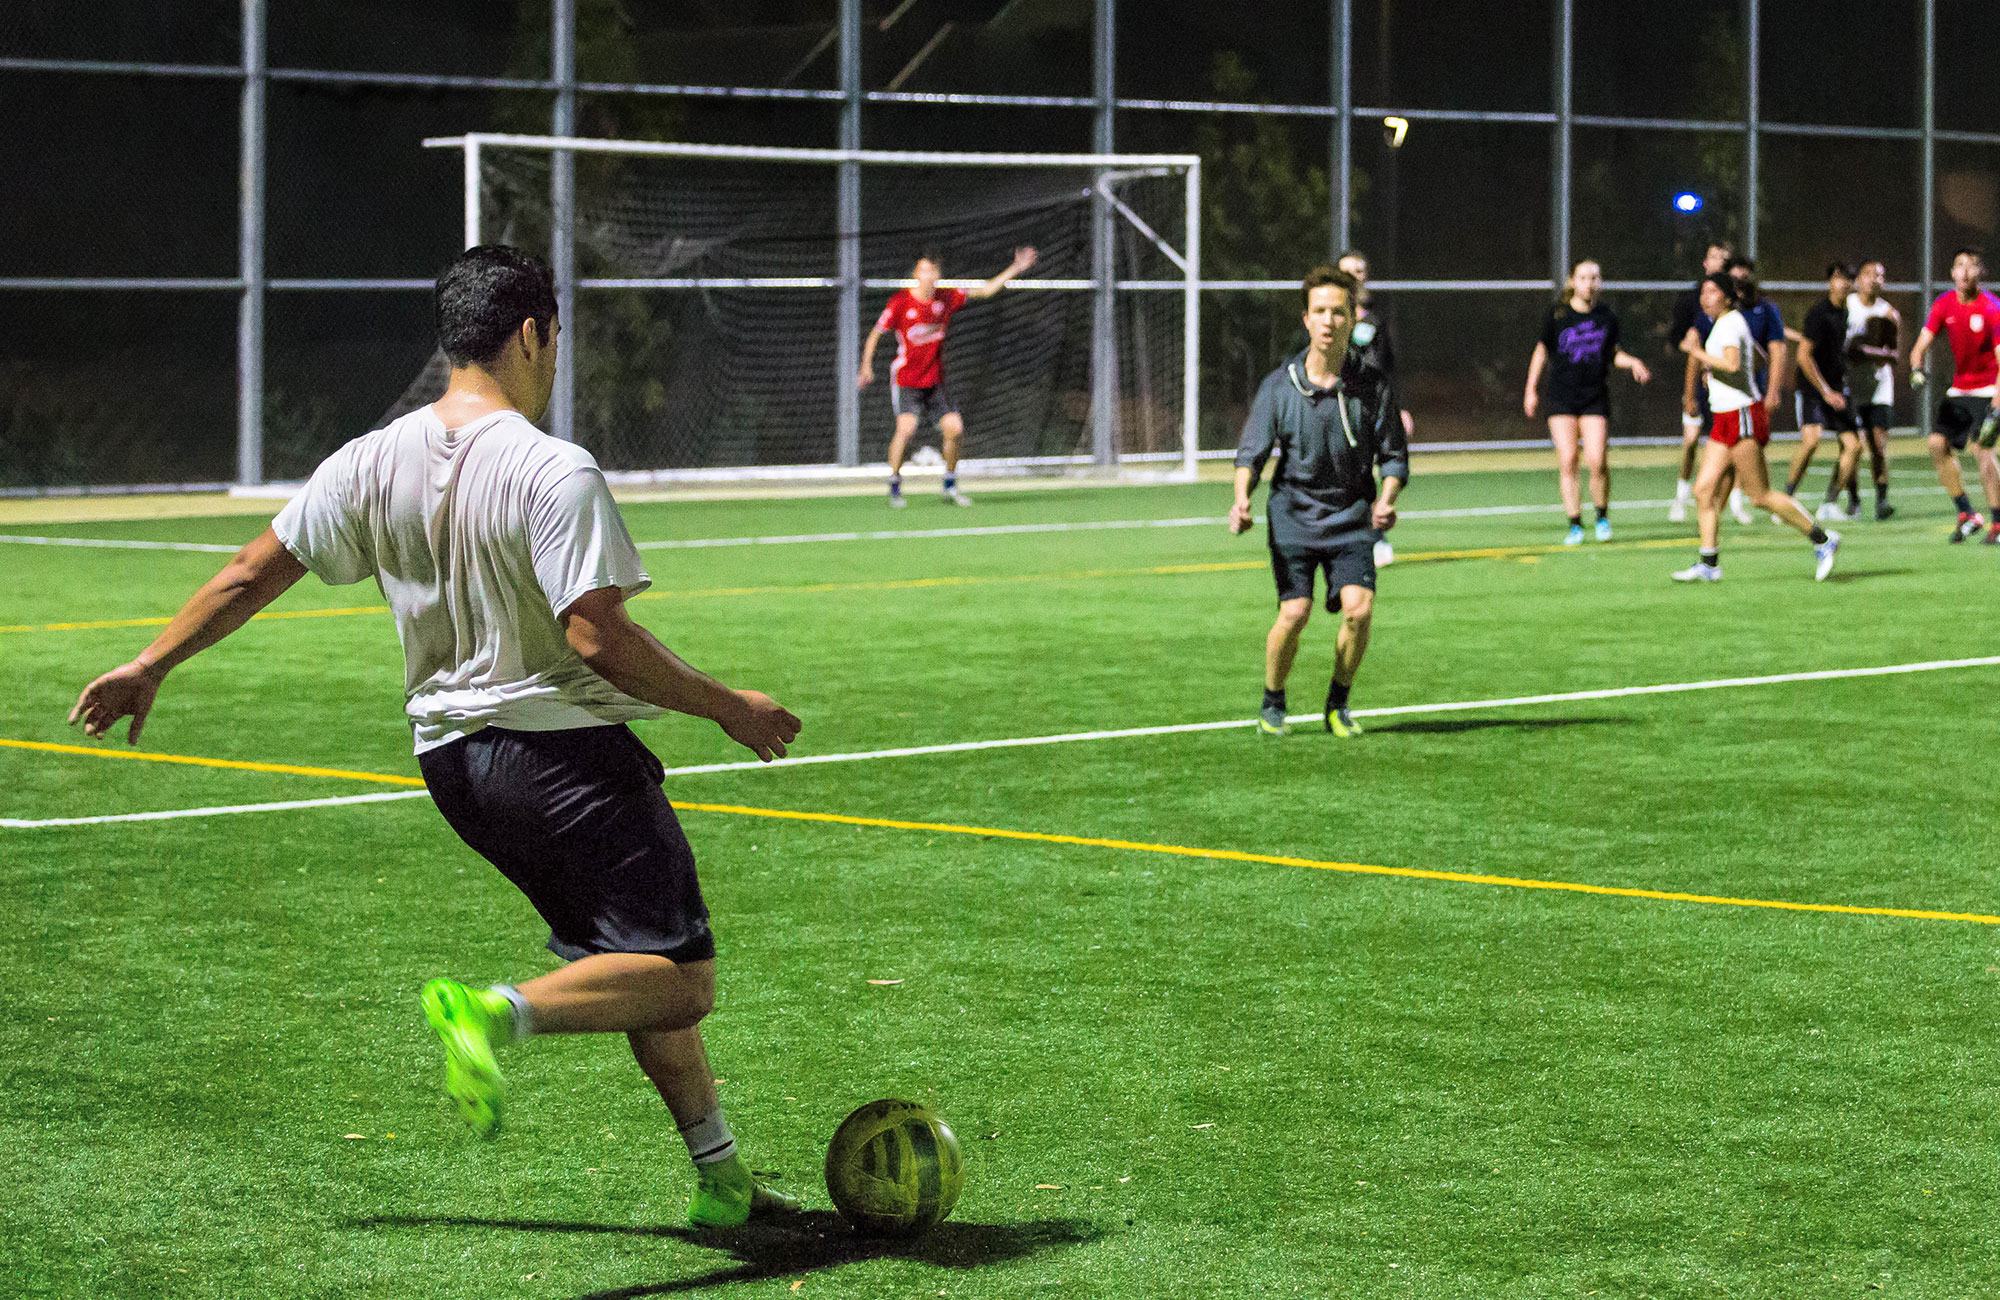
[1491, 1002]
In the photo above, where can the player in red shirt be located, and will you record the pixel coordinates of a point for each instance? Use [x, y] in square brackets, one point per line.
[1967, 316]
[917, 317]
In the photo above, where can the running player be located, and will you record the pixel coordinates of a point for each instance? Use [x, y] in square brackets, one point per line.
[1822, 399]
[1742, 429]
[1330, 415]
[1767, 328]
[917, 317]
[507, 568]
[1578, 348]
[1872, 329]
[1968, 316]
[1371, 338]
[1695, 417]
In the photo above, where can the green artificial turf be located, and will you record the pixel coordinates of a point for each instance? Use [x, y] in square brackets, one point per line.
[1172, 1075]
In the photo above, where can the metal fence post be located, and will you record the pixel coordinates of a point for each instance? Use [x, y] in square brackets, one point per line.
[1753, 57]
[1103, 259]
[1927, 239]
[250, 257]
[562, 205]
[1565, 37]
[1342, 194]
[847, 331]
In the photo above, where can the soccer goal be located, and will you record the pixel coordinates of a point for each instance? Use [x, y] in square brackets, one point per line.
[716, 297]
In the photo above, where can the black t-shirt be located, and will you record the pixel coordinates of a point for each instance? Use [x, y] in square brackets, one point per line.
[1687, 306]
[1581, 346]
[1826, 332]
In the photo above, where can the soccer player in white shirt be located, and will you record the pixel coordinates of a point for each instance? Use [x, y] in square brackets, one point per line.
[507, 568]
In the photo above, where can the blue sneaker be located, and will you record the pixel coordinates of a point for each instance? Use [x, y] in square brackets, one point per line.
[1604, 530]
[1574, 537]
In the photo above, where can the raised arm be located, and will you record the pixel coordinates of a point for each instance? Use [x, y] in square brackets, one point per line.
[602, 633]
[1023, 259]
[257, 575]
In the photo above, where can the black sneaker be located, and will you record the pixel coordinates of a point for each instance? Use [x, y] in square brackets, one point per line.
[1883, 510]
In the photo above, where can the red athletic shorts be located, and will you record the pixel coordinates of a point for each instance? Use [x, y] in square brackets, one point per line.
[1729, 428]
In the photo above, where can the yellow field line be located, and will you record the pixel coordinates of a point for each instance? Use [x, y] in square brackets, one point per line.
[1085, 841]
[145, 756]
[914, 584]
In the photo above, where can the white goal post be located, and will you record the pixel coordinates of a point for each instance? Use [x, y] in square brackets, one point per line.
[1100, 186]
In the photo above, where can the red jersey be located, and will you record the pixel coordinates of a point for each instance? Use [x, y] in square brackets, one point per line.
[1970, 327]
[919, 330]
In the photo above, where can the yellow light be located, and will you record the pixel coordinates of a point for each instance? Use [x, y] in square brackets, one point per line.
[1398, 128]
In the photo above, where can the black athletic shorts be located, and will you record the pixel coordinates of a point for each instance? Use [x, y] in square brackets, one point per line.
[577, 821]
[1958, 418]
[932, 403]
[1813, 409]
[1873, 415]
[1348, 563]
[1598, 405]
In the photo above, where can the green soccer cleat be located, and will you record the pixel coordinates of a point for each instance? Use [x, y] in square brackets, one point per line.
[1342, 724]
[727, 1195]
[471, 1023]
[1271, 722]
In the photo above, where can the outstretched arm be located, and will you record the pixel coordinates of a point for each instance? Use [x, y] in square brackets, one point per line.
[617, 649]
[1023, 259]
[1632, 365]
[258, 575]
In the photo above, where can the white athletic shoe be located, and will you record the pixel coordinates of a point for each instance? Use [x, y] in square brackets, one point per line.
[954, 497]
[1699, 572]
[1830, 510]
[1677, 513]
[898, 501]
[1385, 554]
[1824, 553]
[1740, 508]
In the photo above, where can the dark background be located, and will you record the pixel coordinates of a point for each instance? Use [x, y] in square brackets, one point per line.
[136, 175]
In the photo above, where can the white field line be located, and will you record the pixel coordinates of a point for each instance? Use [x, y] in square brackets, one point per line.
[22, 824]
[1019, 742]
[908, 534]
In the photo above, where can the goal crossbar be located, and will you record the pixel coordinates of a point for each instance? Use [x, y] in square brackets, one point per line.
[1108, 168]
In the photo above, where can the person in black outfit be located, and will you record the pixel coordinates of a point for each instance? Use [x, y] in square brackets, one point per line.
[1822, 400]
[1371, 339]
[1578, 348]
[1330, 415]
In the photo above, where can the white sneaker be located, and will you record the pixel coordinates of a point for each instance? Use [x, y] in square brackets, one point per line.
[1740, 508]
[1829, 510]
[1699, 572]
[897, 502]
[1385, 554]
[1677, 513]
[954, 497]
[1824, 553]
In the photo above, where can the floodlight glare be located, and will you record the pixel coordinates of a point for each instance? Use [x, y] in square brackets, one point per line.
[1687, 201]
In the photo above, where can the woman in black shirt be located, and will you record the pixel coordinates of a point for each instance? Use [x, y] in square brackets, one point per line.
[1578, 348]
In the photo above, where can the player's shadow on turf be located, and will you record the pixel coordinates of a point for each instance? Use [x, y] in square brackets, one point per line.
[1444, 726]
[1858, 575]
[800, 1243]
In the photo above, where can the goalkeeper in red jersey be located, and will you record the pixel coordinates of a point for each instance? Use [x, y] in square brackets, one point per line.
[917, 317]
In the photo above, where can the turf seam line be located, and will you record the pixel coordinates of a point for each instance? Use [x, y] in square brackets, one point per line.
[387, 796]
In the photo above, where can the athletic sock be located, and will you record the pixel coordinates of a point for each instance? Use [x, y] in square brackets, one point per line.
[1818, 535]
[951, 481]
[1274, 699]
[1881, 494]
[1683, 490]
[1576, 521]
[1602, 511]
[1336, 695]
[1713, 559]
[708, 1139]
[895, 485]
[1832, 494]
[1792, 486]
[524, 1015]
[1963, 502]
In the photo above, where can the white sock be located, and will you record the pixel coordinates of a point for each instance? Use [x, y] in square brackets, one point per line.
[524, 1015]
[708, 1139]
[1683, 490]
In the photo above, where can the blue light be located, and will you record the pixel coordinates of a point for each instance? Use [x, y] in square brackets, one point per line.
[1687, 201]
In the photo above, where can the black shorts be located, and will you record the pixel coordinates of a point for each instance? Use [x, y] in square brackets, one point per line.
[1873, 415]
[1564, 404]
[1958, 418]
[932, 403]
[1812, 409]
[1349, 563]
[577, 821]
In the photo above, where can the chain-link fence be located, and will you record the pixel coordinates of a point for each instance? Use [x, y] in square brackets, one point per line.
[221, 226]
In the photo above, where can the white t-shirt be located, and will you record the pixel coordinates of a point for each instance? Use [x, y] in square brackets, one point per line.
[1733, 392]
[479, 537]
[1858, 316]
